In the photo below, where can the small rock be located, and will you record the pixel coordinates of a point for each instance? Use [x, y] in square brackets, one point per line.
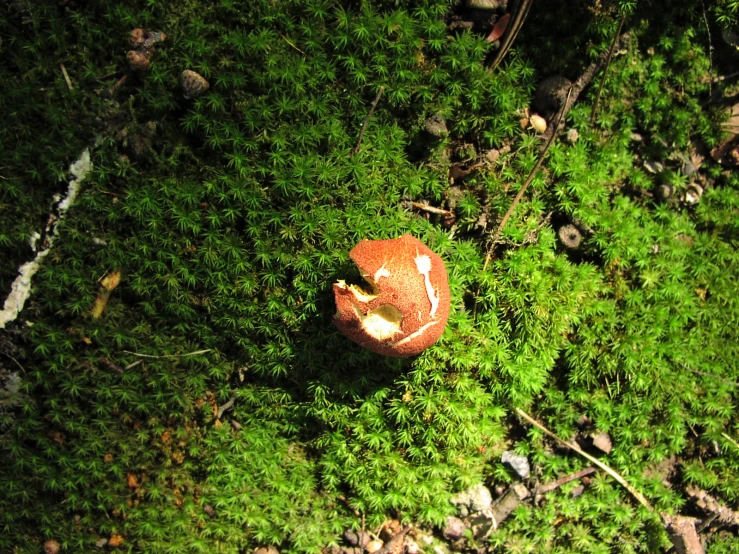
[520, 464]
[461, 24]
[654, 166]
[270, 549]
[474, 499]
[577, 491]
[389, 529]
[454, 528]
[356, 538]
[487, 4]
[374, 546]
[602, 441]
[492, 155]
[664, 192]
[435, 125]
[694, 193]
[100, 543]
[410, 546]
[570, 236]
[538, 123]
[551, 94]
[52, 546]
[193, 84]
[572, 136]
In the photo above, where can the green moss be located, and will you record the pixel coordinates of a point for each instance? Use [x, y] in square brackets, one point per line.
[232, 223]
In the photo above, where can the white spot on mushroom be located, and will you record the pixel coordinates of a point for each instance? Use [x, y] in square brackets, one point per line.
[382, 272]
[423, 263]
[412, 336]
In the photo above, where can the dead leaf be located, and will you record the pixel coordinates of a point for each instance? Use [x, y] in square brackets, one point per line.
[107, 284]
[115, 540]
[499, 28]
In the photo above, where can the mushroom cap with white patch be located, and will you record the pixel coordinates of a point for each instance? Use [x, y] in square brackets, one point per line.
[407, 307]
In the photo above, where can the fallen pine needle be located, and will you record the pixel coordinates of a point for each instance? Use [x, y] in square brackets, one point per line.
[639, 496]
[196, 353]
[66, 76]
[727, 437]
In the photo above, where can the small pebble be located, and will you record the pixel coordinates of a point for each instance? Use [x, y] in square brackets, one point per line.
[538, 123]
[520, 464]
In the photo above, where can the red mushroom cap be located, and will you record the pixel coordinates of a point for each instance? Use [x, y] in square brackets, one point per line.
[407, 307]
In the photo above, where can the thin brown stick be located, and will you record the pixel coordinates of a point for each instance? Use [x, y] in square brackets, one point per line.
[111, 365]
[196, 353]
[635, 493]
[66, 76]
[23, 369]
[366, 120]
[566, 479]
[430, 209]
[525, 186]
[108, 75]
[611, 50]
[706, 374]
[110, 91]
[514, 26]
[227, 406]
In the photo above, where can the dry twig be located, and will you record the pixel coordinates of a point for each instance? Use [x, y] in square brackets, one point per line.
[608, 65]
[635, 493]
[583, 81]
[525, 186]
[542, 489]
[227, 406]
[366, 120]
[196, 353]
[427, 208]
[514, 26]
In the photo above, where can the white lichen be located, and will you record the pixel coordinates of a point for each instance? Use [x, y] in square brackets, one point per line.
[20, 290]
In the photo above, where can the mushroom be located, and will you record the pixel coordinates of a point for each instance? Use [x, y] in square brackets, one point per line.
[405, 308]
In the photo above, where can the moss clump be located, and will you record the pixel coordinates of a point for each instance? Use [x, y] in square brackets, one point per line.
[230, 222]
